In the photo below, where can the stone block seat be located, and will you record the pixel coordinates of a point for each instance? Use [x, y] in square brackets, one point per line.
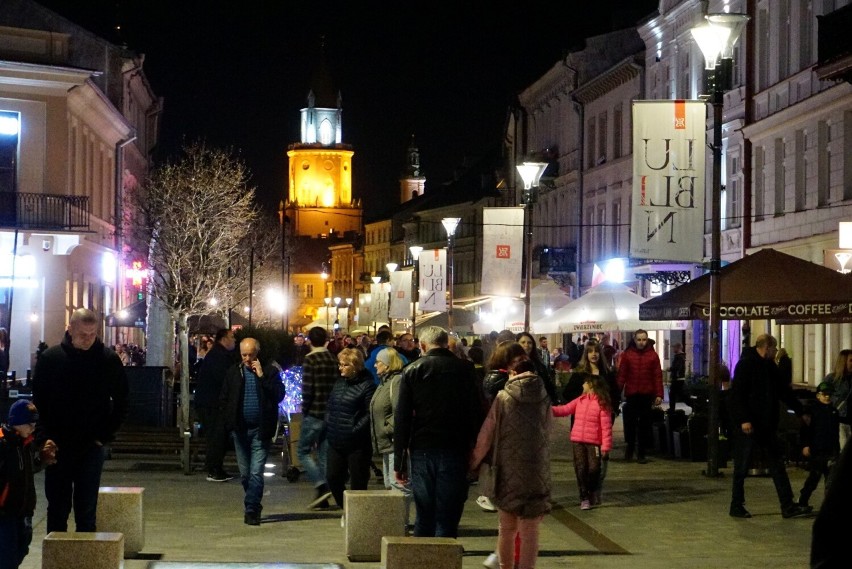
[371, 515]
[120, 510]
[73, 550]
[421, 553]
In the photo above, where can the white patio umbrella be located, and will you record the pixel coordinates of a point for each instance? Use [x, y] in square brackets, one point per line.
[607, 307]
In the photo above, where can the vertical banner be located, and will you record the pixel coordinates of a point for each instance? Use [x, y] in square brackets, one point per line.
[364, 317]
[433, 280]
[667, 213]
[502, 250]
[400, 299]
[379, 302]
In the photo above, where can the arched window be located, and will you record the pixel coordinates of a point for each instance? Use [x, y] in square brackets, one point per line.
[325, 132]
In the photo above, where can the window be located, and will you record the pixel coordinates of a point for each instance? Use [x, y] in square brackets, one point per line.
[600, 233]
[602, 138]
[779, 176]
[759, 183]
[784, 39]
[592, 148]
[615, 228]
[733, 195]
[9, 133]
[325, 132]
[847, 155]
[762, 50]
[309, 291]
[800, 170]
[616, 132]
[823, 164]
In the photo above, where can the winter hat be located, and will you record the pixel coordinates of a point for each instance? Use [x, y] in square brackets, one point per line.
[825, 387]
[384, 356]
[22, 412]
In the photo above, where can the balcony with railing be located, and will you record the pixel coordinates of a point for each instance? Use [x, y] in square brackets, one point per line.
[44, 211]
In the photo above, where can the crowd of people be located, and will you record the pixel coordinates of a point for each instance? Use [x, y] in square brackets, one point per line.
[438, 413]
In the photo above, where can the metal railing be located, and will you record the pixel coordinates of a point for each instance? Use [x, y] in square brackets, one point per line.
[43, 211]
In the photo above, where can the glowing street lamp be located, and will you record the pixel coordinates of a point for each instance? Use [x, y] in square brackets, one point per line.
[716, 37]
[450, 224]
[531, 175]
[415, 286]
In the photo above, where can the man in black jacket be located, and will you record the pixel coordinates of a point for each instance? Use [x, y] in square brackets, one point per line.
[249, 400]
[755, 394]
[211, 376]
[437, 418]
[80, 390]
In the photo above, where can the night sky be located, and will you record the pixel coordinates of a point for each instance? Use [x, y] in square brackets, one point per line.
[236, 73]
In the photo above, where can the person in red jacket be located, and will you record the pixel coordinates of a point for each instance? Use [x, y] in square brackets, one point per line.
[640, 376]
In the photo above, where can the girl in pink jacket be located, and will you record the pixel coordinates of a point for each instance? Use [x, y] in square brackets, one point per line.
[591, 435]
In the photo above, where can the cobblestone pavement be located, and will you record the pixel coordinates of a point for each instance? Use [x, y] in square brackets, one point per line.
[662, 514]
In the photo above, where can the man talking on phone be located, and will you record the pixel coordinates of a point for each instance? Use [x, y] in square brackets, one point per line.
[249, 402]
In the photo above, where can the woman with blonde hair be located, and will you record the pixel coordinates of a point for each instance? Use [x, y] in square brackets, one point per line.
[350, 451]
[389, 366]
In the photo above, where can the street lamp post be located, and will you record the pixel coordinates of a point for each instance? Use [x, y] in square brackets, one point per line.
[327, 301]
[450, 224]
[415, 286]
[376, 280]
[716, 38]
[531, 174]
[336, 313]
[391, 267]
[348, 309]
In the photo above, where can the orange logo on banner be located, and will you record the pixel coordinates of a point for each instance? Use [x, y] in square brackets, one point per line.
[504, 251]
[680, 115]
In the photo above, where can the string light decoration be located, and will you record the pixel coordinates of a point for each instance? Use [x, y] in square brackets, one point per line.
[292, 402]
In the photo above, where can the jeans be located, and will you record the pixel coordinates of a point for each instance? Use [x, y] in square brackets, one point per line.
[744, 446]
[74, 482]
[390, 482]
[637, 422]
[313, 435]
[819, 467]
[439, 485]
[353, 464]
[15, 537]
[251, 453]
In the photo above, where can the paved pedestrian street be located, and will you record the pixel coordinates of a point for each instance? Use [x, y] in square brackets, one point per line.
[664, 514]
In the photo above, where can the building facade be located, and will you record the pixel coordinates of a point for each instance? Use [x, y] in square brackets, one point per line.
[80, 120]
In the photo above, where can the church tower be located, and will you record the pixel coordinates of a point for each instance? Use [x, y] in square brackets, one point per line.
[412, 182]
[319, 200]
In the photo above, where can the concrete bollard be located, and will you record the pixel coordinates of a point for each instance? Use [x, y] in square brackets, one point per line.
[120, 510]
[72, 550]
[421, 553]
[371, 515]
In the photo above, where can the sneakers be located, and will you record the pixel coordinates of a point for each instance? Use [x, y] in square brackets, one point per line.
[492, 561]
[484, 503]
[795, 511]
[585, 505]
[805, 506]
[220, 476]
[321, 499]
[739, 511]
[252, 519]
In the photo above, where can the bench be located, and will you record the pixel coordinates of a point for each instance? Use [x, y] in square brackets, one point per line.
[73, 550]
[371, 515]
[120, 511]
[421, 553]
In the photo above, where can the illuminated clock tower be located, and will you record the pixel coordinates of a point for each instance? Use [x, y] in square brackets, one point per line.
[319, 200]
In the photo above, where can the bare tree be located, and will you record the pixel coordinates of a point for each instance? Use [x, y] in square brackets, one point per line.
[196, 214]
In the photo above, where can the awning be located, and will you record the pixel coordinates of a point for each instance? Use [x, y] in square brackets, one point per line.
[131, 316]
[607, 307]
[765, 285]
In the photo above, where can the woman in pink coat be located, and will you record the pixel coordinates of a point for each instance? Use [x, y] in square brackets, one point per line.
[591, 435]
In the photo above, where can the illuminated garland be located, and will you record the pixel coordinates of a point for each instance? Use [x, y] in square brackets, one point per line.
[292, 402]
